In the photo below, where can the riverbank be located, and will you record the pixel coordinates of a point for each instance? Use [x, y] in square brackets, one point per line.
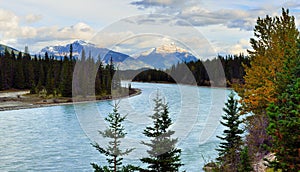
[15, 100]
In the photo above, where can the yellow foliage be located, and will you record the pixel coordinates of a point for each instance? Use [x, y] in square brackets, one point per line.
[270, 50]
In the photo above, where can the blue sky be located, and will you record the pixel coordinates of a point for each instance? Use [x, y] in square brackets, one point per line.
[223, 25]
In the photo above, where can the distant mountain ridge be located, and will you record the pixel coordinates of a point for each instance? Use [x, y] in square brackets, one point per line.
[3, 47]
[161, 57]
[90, 49]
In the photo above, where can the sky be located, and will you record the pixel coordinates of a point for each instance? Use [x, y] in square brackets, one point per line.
[132, 26]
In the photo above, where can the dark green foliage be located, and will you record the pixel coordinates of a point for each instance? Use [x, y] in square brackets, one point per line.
[66, 80]
[41, 80]
[99, 77]
[245, 162]
[284, 117]
[163, 155]
[50, 81]
[229, 148]
[115, 132]
[153, 75]
[232, 66]
[28, 71]
[7, 70]
[19, 74]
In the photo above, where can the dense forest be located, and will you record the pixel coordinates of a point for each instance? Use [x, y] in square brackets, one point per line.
[54, 76]
[233, 67]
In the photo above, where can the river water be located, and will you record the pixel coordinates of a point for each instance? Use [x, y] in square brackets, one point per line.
[59, 138]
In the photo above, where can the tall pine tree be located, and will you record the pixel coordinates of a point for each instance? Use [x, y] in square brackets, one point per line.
[284, 117]
[115, 132]
[19, 75]
[67, 75]
[229, 148]
[163, 154]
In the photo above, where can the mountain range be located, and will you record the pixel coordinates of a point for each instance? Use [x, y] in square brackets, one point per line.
[161, 57]
[105, 54]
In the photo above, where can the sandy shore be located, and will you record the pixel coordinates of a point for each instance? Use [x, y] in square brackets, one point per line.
[15, 100]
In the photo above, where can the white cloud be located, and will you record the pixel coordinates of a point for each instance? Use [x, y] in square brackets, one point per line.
[203, 13]
[77, 31]
[241, 47]
[13, 33]
[32, 18]
[10, 29]
[158, 3]
[110, 39]
[8, 20]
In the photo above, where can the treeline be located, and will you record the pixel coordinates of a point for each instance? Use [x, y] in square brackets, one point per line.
[54, 76]
[230, 66]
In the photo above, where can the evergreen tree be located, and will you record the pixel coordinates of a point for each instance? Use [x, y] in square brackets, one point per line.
[229, 148]
[28, 71]
[67, 71]
[91, 75]
[7, 76]
[41, 81]
[19, 75]
[36, 69]
[83, 75]
[115, 132]
[163, 155]
[99, 77]
[71, 52]
[284, 117]
[57, 65]
[245, 162]
[50, 81]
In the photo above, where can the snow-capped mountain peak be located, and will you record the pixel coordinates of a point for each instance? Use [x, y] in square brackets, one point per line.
[165, 56]
[170, 48]
[82, 43]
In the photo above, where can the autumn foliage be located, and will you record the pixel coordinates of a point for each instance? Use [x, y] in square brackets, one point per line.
[275, 40]
[275, 43]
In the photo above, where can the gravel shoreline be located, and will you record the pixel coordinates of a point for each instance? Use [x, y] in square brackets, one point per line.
[13, 103]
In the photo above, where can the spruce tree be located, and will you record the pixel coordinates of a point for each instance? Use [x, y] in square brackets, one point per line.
[19, 75]
[7, 77]
[115, 132]
[163, 154]
[284, 117]
[41, 81]
[67, 74]
[50, 81]
[229, 148]
[99, 77]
